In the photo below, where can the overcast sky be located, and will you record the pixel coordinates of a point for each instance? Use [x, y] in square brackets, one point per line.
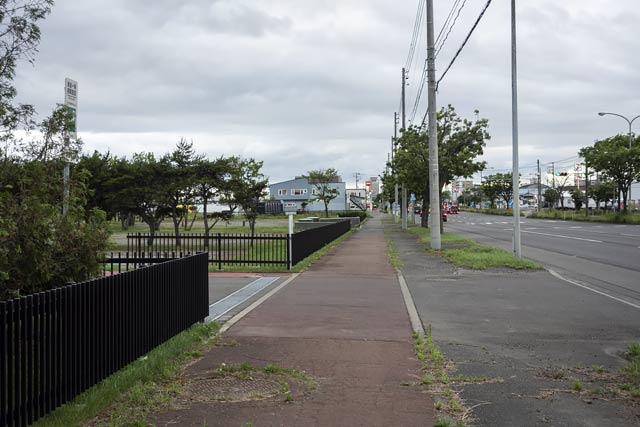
[304, 84]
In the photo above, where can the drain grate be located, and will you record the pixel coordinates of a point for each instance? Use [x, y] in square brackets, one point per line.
[233, 389]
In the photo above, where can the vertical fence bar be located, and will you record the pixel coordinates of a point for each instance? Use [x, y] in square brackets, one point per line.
[12, 380]
[219, 247]
[58, 353]
[3, 363]
[30, 352]
[41, 366]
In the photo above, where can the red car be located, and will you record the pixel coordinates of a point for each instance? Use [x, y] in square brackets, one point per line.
[455, 210]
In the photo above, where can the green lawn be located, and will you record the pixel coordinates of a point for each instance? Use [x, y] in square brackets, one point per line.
[469, 254]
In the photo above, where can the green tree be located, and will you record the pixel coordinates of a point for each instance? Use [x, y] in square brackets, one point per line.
[19, 40]
[211, 180]
[503, 183]
[613, 158]
[578, 198]
[551, 196]
[179, 166]
[321, 179]
[143, 188]
[602, 192]
[460, 142]
[248, 185]
[491, 189]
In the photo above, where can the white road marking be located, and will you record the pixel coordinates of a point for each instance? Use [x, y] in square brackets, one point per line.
[226, 304]
[228, 324]
[565, 237]
[630, 235]
[573, 282]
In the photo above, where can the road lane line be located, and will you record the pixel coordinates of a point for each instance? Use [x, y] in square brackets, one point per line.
[565, 237]
[558, 276]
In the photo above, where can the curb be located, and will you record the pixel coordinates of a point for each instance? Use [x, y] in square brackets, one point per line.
[416, 323]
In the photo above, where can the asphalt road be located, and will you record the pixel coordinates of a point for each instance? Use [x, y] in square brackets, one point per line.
[603, 258]
[532, 335]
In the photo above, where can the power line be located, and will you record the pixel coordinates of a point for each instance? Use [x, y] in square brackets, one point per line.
[417, 26]
[446, 22]
[463, 43]
[423, 80]
[438, 49]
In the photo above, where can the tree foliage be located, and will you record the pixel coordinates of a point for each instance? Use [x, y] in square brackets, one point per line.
[613, 158]
[19, 40]
[460, 143]
[321, 179]
[602, 192]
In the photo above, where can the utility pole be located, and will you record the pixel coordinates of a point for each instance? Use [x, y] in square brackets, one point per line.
[514, 119]
[539, 186]
[403, 210]
[403, 85]
[553, 175]
[434, 179]
[395, 172]
[586, 189]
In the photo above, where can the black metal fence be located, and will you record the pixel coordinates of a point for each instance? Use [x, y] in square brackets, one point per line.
[223, 249]
[58, 343]
[306, 242]
[119, 262]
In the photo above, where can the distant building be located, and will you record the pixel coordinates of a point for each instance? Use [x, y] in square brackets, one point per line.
[357, 198]
[295, 192]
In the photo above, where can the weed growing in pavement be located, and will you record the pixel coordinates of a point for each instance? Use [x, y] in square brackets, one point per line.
[394, 257]
[443, 422]
[246, 369]
[435, 376]
[577, 386]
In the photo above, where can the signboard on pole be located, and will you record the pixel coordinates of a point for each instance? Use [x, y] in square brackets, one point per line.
[71, 102]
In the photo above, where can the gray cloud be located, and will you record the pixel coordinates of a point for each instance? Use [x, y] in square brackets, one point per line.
[305, 85]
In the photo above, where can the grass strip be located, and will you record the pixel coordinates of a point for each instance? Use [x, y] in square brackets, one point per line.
[594, 216]
[394, 256]
[491, 211]
[139, 388]
[469, 254]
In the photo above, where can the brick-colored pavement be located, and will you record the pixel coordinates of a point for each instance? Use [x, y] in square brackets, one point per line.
[344, 323]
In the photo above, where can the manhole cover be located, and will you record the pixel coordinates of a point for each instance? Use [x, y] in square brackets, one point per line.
[233, 389]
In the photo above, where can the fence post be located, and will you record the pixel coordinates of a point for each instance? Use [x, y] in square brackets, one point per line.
[219, 244]
[289, 241]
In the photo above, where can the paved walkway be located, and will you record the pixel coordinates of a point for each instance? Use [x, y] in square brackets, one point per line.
[344, 323]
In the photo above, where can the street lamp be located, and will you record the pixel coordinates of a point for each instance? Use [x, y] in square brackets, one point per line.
[630, 134]
[628, 121]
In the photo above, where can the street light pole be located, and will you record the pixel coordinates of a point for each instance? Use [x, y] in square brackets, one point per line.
[630, 122]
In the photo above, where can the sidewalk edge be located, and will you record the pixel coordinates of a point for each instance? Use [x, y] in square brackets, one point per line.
[416, 323]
